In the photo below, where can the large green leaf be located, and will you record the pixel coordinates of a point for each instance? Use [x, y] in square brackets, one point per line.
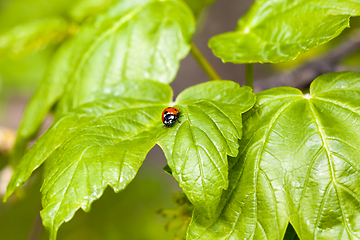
[197, 148]
[142, 39]
[104, 142]
[85, 8]
[298, 160]
[277, 31]
[27, 38]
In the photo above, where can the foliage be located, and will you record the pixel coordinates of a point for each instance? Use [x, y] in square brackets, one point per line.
[113, 216]
[249, 164]
[277, 31]
[298, 161]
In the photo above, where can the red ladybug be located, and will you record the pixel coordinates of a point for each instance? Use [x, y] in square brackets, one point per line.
[170, 115]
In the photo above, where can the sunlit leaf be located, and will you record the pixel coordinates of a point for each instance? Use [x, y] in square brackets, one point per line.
[299, 161]
[143, 39]
[104, 142]
[85, 8]
[27, 38]
[136, 40]
[277, 31]
[197, 148]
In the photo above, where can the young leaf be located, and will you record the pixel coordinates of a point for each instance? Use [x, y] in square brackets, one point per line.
[277, 31]
[98, 144]
[298, 160]
[197, 148]
[83, 8]
[142, 39]
[105, 141]
[24, 39]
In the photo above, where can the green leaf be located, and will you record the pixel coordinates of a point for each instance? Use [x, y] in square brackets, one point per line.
[47, 94]
[198, 5]
[277, 31]
[299, 161]
[197, 148]
[30, 37]
[84, 8]
[99, 144]
[142, 39]
[105, 142]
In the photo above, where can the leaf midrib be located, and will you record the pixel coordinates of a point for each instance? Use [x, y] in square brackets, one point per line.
[199, 160]
[330, 162]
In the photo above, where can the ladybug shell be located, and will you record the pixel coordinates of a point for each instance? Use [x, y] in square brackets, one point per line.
[169, 110]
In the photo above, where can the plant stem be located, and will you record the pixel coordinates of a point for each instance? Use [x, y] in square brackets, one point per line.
[205, 65]
[249, 74]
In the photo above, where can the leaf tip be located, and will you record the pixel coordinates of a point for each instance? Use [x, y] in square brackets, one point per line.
[9, 191]
[7, 195]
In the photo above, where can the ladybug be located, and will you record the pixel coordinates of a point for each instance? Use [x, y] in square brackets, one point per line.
[170, 115]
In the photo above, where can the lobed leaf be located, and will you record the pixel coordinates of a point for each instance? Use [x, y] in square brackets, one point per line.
[197, 148]
[105, 142]
[132, 40]
[99, 144]
[277, 31]
[299, 161]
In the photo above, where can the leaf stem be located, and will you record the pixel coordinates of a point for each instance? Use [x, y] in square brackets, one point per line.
[203, 62]
[249, 74]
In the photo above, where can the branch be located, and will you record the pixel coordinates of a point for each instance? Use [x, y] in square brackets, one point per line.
[203, 62]
[306, 73]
